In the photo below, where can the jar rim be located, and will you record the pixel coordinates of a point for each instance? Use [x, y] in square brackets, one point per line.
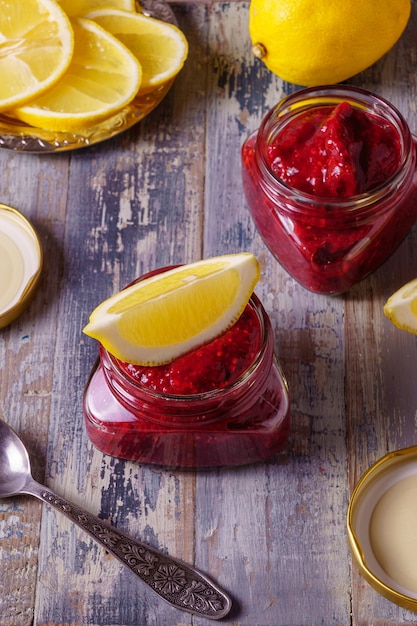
[327, 95]
[265, 326]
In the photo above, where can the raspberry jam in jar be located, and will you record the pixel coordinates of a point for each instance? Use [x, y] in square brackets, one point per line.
[225, 403]
[330, 180]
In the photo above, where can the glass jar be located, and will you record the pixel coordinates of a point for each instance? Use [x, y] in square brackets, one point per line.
[329, 244]
[243, 422]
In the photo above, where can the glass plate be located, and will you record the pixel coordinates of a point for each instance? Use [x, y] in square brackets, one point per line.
[16, 135]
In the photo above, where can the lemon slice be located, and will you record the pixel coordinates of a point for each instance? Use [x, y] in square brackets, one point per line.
[79, 7]
[36, 48]
[401, 307]
[168, 314]
[102, 78]
[160, 47]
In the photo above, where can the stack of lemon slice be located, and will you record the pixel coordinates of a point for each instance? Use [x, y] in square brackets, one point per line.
[69, 64]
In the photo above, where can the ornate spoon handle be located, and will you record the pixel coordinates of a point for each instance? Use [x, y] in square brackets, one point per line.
[183, 586]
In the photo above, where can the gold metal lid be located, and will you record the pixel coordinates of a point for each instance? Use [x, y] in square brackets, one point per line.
[20, 263]
[381, 525]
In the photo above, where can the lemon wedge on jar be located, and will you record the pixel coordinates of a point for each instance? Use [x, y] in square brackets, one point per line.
[160, 47]
[401, 307]
[102, 78]
[170, 313]
[37, 44]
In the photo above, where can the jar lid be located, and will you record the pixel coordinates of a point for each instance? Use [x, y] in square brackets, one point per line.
[382, 530]
[20, 263]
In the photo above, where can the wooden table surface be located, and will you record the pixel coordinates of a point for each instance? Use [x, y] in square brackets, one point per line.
[169, 191]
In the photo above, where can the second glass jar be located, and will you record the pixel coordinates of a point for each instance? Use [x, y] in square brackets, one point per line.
[329, 244]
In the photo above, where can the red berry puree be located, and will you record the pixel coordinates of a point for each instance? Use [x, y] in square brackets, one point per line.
[212, 366]
[224, 403]
[337, 152]
[327, 237]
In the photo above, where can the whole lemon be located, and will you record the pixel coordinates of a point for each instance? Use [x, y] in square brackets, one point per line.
[316, 42]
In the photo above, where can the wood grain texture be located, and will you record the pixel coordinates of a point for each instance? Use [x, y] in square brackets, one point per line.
[169, 191]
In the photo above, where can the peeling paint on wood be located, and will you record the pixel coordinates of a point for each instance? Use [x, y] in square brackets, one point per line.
[169, 191]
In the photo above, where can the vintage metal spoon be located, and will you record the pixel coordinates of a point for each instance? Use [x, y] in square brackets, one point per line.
[183, 586]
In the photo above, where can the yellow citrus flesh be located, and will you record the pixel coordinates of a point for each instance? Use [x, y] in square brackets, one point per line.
[168, 314]
[37, 44]
[315, 42]
[160, 47]
[401, 307]
[102, 78]
[80, 7]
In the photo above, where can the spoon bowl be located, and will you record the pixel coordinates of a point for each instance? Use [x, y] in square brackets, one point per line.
[195, 592]
[14, 462]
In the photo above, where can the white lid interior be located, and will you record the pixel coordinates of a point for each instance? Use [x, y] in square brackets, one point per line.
[398, 533]
[20, 257]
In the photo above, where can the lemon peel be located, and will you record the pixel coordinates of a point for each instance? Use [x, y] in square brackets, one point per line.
[168, 314]
[316, 42]
[80, 7]
[401, 307]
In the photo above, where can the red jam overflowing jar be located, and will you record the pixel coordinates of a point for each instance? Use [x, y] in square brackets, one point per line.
[330, 180]
[223, 404]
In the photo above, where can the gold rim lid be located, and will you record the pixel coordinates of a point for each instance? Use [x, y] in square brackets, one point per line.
[382, 526]
[20, 263]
